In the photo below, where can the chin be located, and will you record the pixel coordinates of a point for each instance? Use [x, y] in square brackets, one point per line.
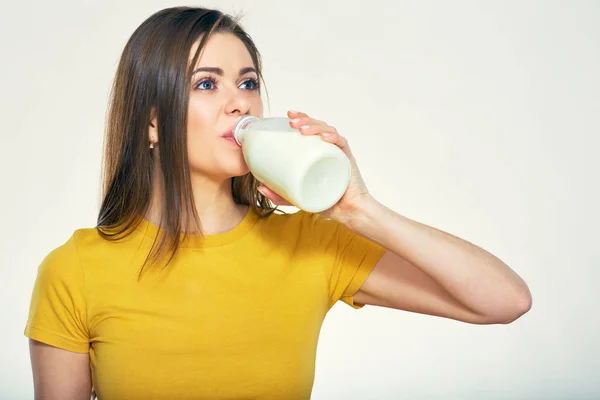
[233, 167]
[236, 165]
[221, 166]
[239, 172]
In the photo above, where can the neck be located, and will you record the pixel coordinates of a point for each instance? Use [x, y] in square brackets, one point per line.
[214, 204]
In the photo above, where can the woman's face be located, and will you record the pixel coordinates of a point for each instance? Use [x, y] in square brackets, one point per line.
[224, 87]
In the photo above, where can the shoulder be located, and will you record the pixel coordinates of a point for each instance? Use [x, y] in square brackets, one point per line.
[68, 248]
[66, 257]
[299, 219]
[79, 239]
[61, 263]
[305, 224]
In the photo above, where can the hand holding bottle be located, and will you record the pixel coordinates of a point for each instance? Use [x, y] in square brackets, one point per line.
[356, 189]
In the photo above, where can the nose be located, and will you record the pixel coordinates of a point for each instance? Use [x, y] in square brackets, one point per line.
[237, 105]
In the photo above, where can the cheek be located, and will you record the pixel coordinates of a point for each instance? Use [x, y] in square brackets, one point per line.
[256, 106]
[199, 127]
[201, 116]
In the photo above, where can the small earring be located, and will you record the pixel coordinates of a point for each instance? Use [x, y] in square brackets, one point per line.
[151, 145]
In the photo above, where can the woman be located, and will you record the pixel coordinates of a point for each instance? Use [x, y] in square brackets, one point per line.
[191, 286]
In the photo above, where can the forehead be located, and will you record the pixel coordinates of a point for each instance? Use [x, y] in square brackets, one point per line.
[223, 50]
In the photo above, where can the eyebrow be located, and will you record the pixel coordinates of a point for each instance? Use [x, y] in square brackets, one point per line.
[219, 71]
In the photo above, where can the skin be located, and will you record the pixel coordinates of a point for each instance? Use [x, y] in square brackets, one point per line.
[216, 101]
[424, 270]
[59, 374]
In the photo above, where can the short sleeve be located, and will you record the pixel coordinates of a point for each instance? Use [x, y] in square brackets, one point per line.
[57, 314]
[348, 258]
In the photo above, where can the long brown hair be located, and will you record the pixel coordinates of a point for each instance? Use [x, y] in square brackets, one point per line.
[152, 80]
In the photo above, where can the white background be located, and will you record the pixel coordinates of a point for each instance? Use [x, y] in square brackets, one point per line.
[479, 118]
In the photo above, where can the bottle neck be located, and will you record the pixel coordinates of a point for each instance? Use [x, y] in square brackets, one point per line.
[241, 126]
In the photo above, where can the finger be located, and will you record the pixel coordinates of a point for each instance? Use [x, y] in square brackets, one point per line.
[329, 134]
[299, 118]
[338, 140]
[342, 143]
[274, 197]
[311, 126]
[296, 114]
[298, 122]
[324, 130]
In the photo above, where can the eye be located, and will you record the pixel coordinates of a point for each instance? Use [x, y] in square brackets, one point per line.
[250, 84]
[206, 84]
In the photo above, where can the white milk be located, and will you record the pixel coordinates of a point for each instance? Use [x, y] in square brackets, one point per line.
[308, 172]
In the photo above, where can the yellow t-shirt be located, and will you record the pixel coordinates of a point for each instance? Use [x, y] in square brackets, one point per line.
[235, 315]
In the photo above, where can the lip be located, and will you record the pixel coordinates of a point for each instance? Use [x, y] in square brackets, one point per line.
[228, 135]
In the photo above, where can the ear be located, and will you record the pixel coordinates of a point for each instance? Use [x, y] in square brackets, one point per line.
[153, 127]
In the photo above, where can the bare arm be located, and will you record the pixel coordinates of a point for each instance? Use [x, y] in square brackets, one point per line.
[424, 269]
[59, 374]
[429, 271]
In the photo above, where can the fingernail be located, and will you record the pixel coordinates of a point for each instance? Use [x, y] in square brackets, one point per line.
[295, 120]
[305, 127]
[324, 134]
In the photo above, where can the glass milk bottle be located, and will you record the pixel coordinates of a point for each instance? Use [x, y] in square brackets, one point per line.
[307, 171]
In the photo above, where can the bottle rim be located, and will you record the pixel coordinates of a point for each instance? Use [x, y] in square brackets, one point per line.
[240, 125]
